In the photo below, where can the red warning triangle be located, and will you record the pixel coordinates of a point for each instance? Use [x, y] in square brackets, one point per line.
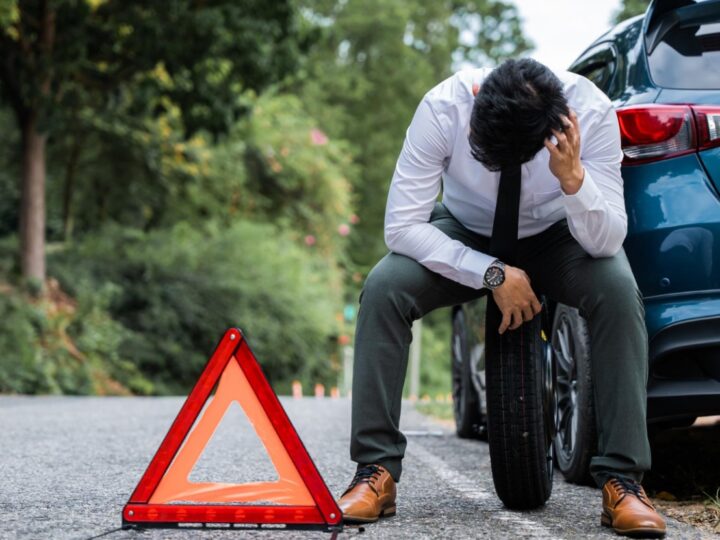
[166, 498]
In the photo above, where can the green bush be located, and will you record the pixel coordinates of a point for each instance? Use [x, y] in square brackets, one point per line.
[435, 367]
[176, 291]
[21, 367]
[435, 355]
[98, 336]
[55, 345]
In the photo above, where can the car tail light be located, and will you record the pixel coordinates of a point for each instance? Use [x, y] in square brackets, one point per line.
[652, 132]
[655, 132]
[708, 126]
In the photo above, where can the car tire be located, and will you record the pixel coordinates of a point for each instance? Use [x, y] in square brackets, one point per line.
[466, 402]
[576, 437]
[521, 409]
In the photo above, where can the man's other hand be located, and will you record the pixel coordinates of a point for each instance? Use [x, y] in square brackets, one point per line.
[565, 161]
[515, 299]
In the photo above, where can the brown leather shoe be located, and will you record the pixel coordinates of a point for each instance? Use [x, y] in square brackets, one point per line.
[370, 495]
[627, 509]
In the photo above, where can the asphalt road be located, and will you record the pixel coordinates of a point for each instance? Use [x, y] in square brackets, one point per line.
[68, 465]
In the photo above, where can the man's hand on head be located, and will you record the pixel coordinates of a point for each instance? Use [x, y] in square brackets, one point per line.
[565, 155]
[515, 299]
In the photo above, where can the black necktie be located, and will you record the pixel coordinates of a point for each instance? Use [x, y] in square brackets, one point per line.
[503, 243]
[505, 225]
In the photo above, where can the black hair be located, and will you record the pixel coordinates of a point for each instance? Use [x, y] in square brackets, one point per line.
[519, 103]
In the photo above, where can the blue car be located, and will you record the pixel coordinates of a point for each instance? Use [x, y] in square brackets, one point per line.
[662, 72]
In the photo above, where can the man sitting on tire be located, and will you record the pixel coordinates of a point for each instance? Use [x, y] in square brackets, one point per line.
[571, 226]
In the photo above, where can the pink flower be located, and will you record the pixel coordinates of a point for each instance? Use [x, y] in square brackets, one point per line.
[354, 219]
[344, 229]
[309, 240]
[275, 165]
[317, 137]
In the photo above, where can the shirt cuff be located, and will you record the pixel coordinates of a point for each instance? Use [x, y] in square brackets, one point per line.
[475, 264]
[582, 200]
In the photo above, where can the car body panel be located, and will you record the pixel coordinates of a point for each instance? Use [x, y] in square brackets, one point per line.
[631, 82]
[711, 160]
[682, 399]
[663, 311]
[694, 97]
[673, 240]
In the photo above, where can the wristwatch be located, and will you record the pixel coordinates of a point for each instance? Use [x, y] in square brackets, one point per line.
[494, 275]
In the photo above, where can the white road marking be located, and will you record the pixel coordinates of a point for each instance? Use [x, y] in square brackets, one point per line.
[459, 482]
[469, 489]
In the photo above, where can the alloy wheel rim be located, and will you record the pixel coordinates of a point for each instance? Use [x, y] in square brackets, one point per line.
[565, 355]
[457, 357]
[550, 405]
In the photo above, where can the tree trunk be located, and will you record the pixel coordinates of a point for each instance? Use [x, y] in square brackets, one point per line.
[32, 204]
[70, 189]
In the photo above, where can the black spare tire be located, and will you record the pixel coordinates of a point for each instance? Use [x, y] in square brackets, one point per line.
[521, 409]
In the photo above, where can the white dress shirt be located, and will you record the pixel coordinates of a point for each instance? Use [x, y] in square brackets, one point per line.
[436, 154]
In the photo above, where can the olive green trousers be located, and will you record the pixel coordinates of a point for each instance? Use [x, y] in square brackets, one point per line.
[399, 290]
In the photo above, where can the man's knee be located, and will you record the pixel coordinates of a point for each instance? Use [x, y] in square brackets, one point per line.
[393, 277]
[614, 288]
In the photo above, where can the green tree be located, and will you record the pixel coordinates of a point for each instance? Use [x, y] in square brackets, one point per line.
[297, 177]
[174, 290]
[62, 56]
[370, 63]
[629, 8]
[274, 165]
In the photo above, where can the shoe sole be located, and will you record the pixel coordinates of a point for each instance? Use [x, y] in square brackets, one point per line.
[387, 512]
[606, 521]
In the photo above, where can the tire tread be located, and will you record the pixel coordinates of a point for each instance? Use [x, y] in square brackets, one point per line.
[516, 416]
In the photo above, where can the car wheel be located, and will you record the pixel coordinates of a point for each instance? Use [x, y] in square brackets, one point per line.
[466, 402]
[576, 438]
[521, 410]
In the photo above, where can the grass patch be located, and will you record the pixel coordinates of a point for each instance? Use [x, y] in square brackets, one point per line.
[713, 501]
[685, 474]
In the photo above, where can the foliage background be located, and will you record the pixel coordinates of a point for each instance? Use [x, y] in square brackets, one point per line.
[211, 164]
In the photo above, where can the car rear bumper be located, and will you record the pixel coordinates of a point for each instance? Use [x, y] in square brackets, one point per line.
[684, 354]
[668, 399]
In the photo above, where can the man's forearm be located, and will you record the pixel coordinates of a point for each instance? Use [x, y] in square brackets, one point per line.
[438, 252]
[596, 219]
[598, 228]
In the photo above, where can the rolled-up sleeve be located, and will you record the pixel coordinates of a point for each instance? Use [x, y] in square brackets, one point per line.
[414, 189]
[596, 213]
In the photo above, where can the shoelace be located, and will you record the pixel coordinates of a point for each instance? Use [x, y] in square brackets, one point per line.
[625, 486]
[364, 474]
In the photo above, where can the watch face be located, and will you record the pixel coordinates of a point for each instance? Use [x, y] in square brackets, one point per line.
[495, 276]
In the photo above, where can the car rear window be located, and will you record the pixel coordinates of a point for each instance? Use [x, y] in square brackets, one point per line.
[688, 58]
